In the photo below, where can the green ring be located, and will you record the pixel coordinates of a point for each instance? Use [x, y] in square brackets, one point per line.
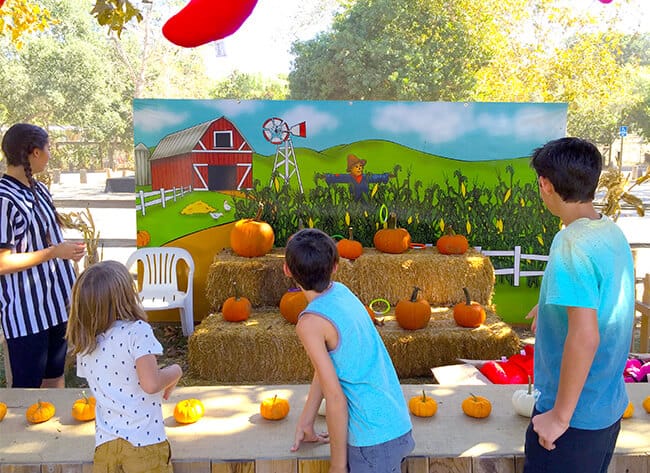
[383, 213]
[379, 300]
[334, 237]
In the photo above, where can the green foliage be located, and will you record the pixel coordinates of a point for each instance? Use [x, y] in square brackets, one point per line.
[242, 86]
[115, 14]
[390, 50]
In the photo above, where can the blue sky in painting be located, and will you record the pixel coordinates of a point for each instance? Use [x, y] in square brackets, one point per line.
[474, 131]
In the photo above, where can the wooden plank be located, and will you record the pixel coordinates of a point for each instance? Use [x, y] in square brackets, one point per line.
[450, 465]
[234, 467]
[276, 466]
[202, 466]
[493, 464]
[313, 466]
[415, 465]
[24, 468]
[519, 463]
[63, 468]
[629, 464]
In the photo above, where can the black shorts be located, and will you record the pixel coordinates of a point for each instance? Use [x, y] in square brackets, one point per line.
[36, 357]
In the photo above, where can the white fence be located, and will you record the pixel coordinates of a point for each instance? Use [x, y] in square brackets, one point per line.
[164, 195]
[516, 269]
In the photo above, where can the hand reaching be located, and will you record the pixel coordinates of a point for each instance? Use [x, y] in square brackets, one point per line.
[307, 434]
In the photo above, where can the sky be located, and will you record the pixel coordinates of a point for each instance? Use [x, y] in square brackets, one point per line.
[262, 44]
[465, 131]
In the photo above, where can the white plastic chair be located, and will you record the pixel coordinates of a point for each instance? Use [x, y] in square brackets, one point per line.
[159, 287]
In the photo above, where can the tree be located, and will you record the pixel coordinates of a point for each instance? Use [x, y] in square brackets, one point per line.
[243, 86]
[392, 49]
[21, 17]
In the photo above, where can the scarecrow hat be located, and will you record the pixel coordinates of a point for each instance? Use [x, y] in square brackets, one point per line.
[353, 161]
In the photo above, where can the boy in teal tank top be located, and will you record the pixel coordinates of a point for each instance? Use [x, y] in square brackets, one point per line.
[369, 426]
[583, 321]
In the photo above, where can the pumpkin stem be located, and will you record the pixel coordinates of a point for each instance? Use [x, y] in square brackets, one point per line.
[468, 300]
[424, 396]
[350, 233]
[449, 230]
[260, 209]
[414, 294]
[392, 220]
[237, 295]
[274, 399]
[530, 385]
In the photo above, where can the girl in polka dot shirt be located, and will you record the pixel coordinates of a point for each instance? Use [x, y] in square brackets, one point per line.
[116, 352]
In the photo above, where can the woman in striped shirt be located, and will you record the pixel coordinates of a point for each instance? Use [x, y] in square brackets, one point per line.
[36, 271]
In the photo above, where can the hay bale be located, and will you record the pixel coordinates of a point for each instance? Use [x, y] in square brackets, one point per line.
[373, 275]
[265, 348]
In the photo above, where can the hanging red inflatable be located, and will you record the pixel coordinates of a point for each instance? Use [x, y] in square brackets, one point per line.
[203, 21]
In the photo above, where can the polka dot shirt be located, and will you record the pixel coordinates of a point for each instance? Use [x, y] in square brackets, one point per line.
[123, 409]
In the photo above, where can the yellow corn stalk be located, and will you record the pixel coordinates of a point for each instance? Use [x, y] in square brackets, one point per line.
[507, 196]
[442, 225]
[347, 218]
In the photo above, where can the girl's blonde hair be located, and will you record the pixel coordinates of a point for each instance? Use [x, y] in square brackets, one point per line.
[103, 293]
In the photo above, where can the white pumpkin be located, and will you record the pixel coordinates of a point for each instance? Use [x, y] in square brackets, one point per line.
[523, 400]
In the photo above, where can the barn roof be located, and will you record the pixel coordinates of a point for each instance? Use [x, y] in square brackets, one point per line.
[180, 142]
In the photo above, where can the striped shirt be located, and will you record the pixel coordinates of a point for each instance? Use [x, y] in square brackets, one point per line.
[37, 298]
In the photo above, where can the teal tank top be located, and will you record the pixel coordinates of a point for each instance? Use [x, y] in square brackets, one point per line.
[377, 410]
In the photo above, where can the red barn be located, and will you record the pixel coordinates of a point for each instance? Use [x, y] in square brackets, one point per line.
[210, 156]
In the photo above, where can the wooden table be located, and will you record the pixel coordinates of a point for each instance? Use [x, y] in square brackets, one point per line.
[232, 437]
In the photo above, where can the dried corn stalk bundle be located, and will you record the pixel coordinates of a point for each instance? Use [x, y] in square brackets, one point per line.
[615, 184]
[83, 222]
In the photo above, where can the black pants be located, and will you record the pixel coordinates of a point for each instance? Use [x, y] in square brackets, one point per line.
[576, 451]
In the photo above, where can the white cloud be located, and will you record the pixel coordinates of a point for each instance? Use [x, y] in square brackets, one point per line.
[526, 123]
[434, 122]
[154, 119]
[317, 120]
[233, 108]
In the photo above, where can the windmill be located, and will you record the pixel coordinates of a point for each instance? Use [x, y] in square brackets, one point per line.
[277, 132]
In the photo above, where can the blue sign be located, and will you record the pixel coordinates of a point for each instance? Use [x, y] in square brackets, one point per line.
[622, 131]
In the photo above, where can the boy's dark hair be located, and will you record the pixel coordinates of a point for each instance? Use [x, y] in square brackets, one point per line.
[573, 166]
[311, 256]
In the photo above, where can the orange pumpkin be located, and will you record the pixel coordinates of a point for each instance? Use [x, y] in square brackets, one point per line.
[252, 237]
[292, 303]
[40, 412]
[83, 409]
[423, 406]
[469, 314]
[451, 243]
[188, 411]
[413, 313]
[392, 239]
[3, 410]
[274, 408]
[236, 308]
[142, 238]
[349, 248]
[478, 407]
[629, 411]
[646, 404]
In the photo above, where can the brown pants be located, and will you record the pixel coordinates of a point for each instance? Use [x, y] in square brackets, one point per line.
[119, 456]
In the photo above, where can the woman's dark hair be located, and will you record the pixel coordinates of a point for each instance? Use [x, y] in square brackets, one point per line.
[18, 142]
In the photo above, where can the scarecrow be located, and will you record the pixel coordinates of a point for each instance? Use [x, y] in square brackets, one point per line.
[357, 180]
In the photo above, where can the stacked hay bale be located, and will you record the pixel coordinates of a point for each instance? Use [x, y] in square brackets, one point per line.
[266, 349]
[373, 275]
